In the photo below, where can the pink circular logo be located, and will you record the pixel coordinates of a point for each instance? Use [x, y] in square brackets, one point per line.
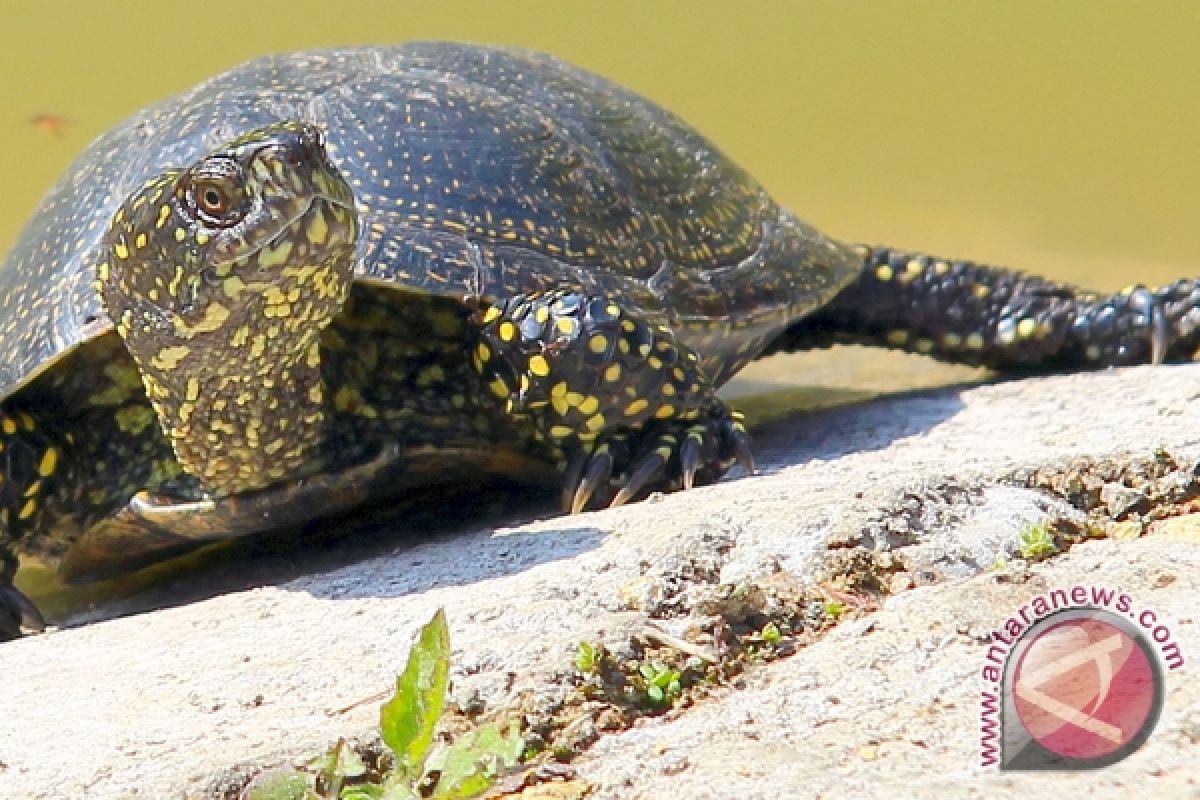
[1085, 688]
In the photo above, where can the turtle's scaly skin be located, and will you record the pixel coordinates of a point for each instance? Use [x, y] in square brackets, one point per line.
[325, 276]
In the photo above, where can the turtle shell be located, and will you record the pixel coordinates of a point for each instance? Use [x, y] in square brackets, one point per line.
[477, 171]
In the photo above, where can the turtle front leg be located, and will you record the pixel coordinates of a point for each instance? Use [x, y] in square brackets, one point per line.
[621, 403]
[30, 463]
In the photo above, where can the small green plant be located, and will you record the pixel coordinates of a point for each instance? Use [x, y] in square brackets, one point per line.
[771, 634]
[1037, 542]
[408, 721]
[662, 684]
[590, 658]
[834, 609]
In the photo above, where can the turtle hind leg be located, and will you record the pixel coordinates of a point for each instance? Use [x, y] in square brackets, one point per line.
[622, 405]
[975, 314]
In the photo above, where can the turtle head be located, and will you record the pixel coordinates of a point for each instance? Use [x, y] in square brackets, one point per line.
[220, 278]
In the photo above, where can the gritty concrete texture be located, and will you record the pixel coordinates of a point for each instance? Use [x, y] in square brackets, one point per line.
[884, 705]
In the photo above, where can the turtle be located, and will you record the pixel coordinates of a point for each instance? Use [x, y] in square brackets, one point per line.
[324, 276]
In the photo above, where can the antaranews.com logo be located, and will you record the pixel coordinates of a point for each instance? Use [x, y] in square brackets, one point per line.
[1074, 680]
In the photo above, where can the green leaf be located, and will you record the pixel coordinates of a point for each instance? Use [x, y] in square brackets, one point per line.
[397, 791]
[286, 784]
[407, 721]
[362, 791]
[339, 761]
[471, 764]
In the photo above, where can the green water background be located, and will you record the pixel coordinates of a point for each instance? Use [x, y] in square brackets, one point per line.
[1058, 137]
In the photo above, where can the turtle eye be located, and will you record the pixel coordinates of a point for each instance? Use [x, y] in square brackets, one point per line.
[215, 195]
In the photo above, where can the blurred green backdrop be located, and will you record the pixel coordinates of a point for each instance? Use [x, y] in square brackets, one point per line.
[1058, 137]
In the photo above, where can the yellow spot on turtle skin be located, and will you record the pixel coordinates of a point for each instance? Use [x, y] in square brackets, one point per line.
[507, 331]
[940, 267]
[202, 238]
[277, 255]
[612, 373]
[923, 345]
[975, 341]
[981, 290]
[590, 405]
[595, 424]
[679, 374]
[347, 399]
[914, 266]
[180, 234]
[884, 273]
[28, 509]
[1092, 352]
[499, 388]
[628, 325]
[896, 338]
[27, 421]
[566, 326]
[136, 419]
[636, 407]
[141, 241]
[951, 341]
[49, 462]
[598, 343]
[1027, 327]
[559, 389]
[169, 357]
[491, 315]
[541, 315]
[560, 405]
[561, 431]
[121, 251]
[214, 317]
[484, 352]
[9, 425]
[431, 375]
[539, 366]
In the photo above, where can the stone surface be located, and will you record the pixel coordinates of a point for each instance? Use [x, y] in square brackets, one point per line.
[884, 705]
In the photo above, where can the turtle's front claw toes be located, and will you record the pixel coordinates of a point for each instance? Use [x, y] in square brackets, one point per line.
[18, 615]
[588, 471]
[735, 440]
[645, 471]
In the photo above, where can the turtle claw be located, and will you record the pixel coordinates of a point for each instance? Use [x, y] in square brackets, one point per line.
[580, 489]
[18, 615]
[737, 441]
[689, 460]
[648, 469]
[1160, 335]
